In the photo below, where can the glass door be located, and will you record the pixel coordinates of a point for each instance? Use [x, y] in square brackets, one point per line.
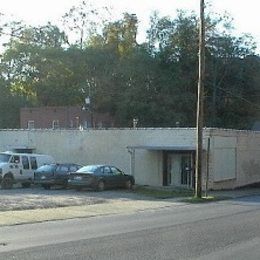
[186, 170]
[179, 170]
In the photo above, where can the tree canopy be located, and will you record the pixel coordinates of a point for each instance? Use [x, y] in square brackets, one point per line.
[155, 81]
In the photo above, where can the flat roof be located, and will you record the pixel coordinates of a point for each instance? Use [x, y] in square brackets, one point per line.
[163, 148]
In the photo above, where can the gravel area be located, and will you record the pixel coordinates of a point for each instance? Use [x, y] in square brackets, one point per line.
[37, 198]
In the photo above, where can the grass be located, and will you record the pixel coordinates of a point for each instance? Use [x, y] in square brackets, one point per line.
[187, 195]
[160, 193]
[204, 199]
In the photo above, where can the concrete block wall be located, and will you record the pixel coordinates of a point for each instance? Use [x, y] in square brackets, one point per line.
[102, 146]
[110, 146]
[246, 146]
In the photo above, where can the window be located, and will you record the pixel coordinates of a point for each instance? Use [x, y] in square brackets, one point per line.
[62, 168]
[33, 163]
[88, 169]
[116, 171]
[4, 157]
[15, 159]
[30, 124]
[25, 162]
[107, 170]
[55, 124]
[74, 168]
[46, 168]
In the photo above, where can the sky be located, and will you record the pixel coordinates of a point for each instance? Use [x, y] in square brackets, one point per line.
[38, 12]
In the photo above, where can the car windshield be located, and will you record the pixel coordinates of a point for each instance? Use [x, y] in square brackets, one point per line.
[46, 168]
[4, 157]
[88, 169]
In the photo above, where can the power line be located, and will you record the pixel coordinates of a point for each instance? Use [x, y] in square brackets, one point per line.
[239, 97]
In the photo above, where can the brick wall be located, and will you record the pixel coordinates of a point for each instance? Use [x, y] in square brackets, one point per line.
[65, 117]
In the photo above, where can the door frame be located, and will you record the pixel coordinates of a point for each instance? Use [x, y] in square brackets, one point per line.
[165, 170]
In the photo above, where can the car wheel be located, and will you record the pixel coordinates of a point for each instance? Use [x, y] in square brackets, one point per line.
[128, 185]
[46, 186]
[26, 185]
[7, 182]
[100, 186]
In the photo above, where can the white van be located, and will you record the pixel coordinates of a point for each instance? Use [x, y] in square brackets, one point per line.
[20, 167]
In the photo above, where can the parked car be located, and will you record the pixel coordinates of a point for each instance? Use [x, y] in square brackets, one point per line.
[20, 167]
[54, 174]
[100, 177]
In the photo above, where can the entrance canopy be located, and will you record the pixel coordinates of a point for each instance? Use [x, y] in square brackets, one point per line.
[162, 148]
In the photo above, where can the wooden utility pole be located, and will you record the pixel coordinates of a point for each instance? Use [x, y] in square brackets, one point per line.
[200, 101]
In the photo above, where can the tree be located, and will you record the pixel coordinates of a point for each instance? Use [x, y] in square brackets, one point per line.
[155, 81]
[84, 20]
[174, 43]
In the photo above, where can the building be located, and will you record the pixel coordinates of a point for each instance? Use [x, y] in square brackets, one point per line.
[65, 117]
[155, 156]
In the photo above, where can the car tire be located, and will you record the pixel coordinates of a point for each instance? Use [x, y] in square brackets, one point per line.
[100, 186]
[26, 185]
[7, 182]
[129, 185]
[46, 186]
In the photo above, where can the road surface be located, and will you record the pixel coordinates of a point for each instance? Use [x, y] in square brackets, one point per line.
[220, 230]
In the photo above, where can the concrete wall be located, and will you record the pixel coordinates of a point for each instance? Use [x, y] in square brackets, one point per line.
[102, 146]
[242, 150]
[240, 154]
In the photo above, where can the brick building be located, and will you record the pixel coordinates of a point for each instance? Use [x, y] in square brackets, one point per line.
[65, 117]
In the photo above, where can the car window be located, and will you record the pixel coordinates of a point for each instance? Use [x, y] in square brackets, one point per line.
[33, 163]
[46, 168]
[15, 159]
[74, 168]
[107, 170]
[62, 168]
[88, 169]
[4, 157]
[25, 162]
[116, 171]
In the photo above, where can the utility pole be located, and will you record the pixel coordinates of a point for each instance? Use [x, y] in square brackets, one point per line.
[200, 101]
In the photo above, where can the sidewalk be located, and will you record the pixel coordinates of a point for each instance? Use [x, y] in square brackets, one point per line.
[8, 218]
[237, 193]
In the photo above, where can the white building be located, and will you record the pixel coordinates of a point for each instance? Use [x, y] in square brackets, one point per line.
[155, 156]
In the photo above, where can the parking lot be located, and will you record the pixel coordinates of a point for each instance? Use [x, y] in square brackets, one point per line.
[38, 198]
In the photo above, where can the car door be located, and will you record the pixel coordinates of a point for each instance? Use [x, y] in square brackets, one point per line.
[26, 171]
[16, 167]
[119, 179]
[108, 176]
[62, 174]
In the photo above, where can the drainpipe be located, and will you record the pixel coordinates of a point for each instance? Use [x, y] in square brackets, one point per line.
[207, 167]
[132, 160]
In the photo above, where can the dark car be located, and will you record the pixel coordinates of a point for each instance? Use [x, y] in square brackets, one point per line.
[54, 174]
[100, 177]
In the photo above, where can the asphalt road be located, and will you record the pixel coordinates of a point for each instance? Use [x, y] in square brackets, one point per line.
[222, 230]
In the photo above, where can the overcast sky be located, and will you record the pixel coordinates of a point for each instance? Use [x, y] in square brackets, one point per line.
[245, 13]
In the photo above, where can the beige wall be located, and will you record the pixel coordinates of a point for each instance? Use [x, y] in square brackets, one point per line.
[240, 154]
[102, 146]
[109, 146]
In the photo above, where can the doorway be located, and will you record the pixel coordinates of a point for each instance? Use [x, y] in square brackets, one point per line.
[178, 169]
